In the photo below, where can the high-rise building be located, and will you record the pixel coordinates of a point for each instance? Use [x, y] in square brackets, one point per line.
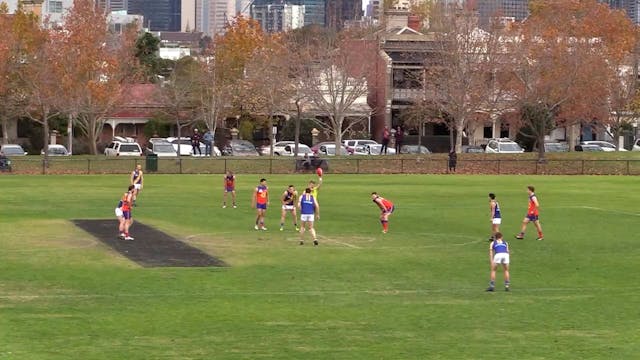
[112, 5]
[515, 9]
[278, 17]
[314, 11]
[339, 11]
[632, 7]
[213, 15]
[159, 15]
[188, 16]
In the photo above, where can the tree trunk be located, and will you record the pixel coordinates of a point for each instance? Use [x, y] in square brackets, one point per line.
[540, 141]
[338, 133]
[459, 130]
[5, 131]
[296, 134]
[45, 146]
[92, 138]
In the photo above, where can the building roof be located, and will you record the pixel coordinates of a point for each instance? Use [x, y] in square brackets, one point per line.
[180, 37]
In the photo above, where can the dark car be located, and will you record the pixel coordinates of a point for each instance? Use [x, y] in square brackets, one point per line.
[414, 149]
[240, 148]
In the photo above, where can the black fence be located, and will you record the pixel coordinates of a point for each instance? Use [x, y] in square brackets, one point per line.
[406, 164]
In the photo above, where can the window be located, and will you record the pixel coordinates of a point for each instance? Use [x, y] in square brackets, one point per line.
[55, 6]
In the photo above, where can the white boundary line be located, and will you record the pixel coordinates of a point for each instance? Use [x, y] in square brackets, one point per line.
[610, 211]
[385, 292]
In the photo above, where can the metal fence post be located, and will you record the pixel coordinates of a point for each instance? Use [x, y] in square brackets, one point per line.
[88, 166]
[628, 170]
[498, 166]
[582, 170]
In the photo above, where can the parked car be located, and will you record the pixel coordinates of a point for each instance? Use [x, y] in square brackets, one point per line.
[351, 144]
[184, 143]
[328, 148]
[414, 149]
[240, 148]
[556, 147]
[636, 145]
[12, 150]
[503, 146]
[56, 150]
[605, 145]
[161, 148]
[118, 147]
[588, 147]
[285, 148]
[472, 149]
[371, 149]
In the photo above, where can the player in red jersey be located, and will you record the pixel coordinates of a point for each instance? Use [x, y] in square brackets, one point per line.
[127, 202]
[387, 208]
[532, 215]
[260, 201]
[229, 184]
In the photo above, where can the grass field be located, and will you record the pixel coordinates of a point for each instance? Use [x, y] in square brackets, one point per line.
[414, 293]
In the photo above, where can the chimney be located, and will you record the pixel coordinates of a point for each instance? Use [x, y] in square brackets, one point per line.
[414, 22]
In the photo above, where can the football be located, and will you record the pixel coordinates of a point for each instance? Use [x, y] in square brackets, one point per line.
[319, 172]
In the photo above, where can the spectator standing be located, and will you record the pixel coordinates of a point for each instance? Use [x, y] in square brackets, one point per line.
[453, 160]
[195, 142]
[208, 143]
[386, 136]
[399, 139]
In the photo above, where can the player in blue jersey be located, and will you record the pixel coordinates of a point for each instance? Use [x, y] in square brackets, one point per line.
[309, 212]
[495, 215]
[288, 200]
[499, 254]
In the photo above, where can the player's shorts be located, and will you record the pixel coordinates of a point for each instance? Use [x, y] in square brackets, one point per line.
[288, 207]
[137, 186]
[501, 258]
[307, 217]
[390, 211]
[118, 212]
[229, 189]
[126, 214]
[261, 206]
[532, 217]
[496, 221]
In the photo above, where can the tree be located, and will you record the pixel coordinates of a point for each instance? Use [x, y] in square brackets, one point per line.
[460, 81]
[147, 50]
[623, 93]
[561, 63]
[267, 83]
[92, 66]
[35, 84]
[336, 84]
[182, 94]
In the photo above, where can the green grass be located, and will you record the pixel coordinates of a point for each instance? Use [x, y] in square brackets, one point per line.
[415, 293]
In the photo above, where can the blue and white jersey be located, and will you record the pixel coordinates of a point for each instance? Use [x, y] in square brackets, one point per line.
[500, 247]
[307, 204]
[497, 214]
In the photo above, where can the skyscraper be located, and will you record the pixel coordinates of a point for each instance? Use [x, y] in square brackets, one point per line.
[632, 7]
[516, 9]
[339, 11]
[113, 5]
[213, 15]
[159, 15]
